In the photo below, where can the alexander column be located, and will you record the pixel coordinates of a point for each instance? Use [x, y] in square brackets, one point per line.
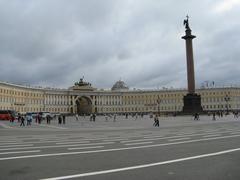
[192, 101]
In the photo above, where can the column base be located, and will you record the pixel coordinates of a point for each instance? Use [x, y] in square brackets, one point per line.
[192, 104]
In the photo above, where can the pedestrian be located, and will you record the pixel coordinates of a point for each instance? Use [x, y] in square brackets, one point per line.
[29, 119]
[156, 121]
[106, 118]
[114, 118]
[76, 117]
[19, 117]
[37, 118]
[136, 116]
[22, 121]
[214, 116]
[94, 117]
[48, 119]
[196, 116]
[64, 119]
[59, 119]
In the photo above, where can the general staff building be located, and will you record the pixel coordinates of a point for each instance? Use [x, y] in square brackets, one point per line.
[82, 98]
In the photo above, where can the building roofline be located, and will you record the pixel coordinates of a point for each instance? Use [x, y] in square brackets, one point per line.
[115, 91]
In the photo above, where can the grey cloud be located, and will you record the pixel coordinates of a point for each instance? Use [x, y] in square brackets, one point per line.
[56, 42]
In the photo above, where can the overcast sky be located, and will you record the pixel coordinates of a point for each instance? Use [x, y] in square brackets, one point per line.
[56, 42]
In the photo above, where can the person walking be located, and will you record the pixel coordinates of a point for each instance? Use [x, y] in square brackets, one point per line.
[64, 119]
[76, 117]
[59, 119]
[196, 116]
[157, 122]
[91, 117]
[19, 117]
[106, 117]
[94, 117]
[48, 119]
[214, 116]
[22, 121]
[29, 119]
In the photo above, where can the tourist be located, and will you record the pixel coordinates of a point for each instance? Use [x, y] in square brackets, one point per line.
[214, 116]
[106, 117]
[196, 116]
[48, 119]
[94, 117]
[22, 121]
[59, 119]
[156, 121]
[29, 119]
[64, 119]
[76, 117]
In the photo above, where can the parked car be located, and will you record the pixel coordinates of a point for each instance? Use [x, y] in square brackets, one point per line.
[45, 114]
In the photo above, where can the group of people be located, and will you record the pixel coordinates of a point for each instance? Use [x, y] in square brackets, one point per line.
[216, 114]
[62, 119]
[38, 119]
[196, 117]
[93, 117]
[21, 119]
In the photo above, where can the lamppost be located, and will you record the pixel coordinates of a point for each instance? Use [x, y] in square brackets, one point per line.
[227, 99]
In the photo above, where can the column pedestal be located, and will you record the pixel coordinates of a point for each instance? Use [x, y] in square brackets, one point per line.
[192, 104]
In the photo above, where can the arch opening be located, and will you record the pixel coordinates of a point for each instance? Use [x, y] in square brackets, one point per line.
[84, 105]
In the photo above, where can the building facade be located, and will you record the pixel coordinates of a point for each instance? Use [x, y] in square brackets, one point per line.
[82, 98]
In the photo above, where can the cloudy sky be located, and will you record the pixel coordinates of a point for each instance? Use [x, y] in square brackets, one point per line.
[56, 42]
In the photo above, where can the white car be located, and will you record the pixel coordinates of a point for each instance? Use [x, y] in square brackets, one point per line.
[45, 114]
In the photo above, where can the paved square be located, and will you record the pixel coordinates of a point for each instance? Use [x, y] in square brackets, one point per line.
[132, 148]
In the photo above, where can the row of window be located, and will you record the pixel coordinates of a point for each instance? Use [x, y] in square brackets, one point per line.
[32, 101]
[36, 109]
[156, 96]
[215, 93]
[219, 107]
[215, 99]
[153, 96]
[163, 101]
[32, 94]
[139, 109]
[154, 109]
[20, 93]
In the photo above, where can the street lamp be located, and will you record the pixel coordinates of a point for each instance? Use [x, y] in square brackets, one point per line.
[227, 99]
